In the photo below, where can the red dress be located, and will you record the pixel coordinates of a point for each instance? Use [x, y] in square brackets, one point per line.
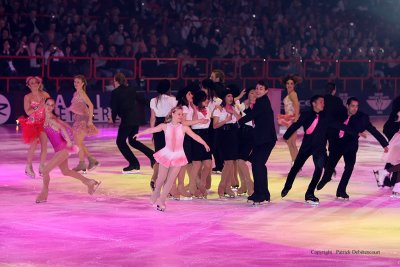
[32, 126]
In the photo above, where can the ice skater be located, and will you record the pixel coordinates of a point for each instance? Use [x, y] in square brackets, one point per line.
[82, 110]
[55, 130]
[264, 141]
[32, 130]
[346, 145]
[315, 124]
[172, 157]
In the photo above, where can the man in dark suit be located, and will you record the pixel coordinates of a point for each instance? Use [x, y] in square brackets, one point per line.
[218, 79]
[333, 105]
[335, 111]
[264, 141]
[123, 104]
[346, 145]
[315, 124]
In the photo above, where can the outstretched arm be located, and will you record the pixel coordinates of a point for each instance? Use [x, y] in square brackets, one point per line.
[292, 128]
[196, 137]
[156, 129]
[378, 136]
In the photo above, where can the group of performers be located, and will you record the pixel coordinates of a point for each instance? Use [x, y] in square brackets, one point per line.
[205, 122]
[42, 124]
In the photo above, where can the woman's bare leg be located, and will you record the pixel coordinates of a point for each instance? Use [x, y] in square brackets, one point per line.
[57, 159]
[78, 140]
[43, 151]
[205, 172]
[162, 176]
[194, 177]
[226, 178]
[170, 179]
[291, 143]
[90, 183]
[29, 159]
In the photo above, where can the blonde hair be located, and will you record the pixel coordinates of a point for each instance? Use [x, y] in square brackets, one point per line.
[168, 118]
[219, 74]
[83, 79]
[37, 78]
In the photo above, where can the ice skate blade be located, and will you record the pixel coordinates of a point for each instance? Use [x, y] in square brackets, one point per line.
[160, 208]
[395, 195]
[131, 172]
[93, 167]
[95, 187]
[312, 203]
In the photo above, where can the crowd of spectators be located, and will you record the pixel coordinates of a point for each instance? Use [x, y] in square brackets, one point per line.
[288, 30]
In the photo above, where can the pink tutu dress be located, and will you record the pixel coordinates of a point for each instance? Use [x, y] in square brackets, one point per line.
[81, 116]
[32, 126]
[172, 155]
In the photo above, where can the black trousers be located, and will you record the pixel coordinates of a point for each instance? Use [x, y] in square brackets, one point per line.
[259, 157]
[349, 156]
[395, 170]
[215, 148]
[305, 151]
[128, 131]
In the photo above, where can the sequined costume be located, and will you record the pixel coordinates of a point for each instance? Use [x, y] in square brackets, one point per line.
[58, 141]
[81, 116]
[172, 155]
[32, 125]
[287, 118]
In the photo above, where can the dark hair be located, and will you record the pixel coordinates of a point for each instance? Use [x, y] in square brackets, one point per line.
[248, 92]
[263, 83]
[330, 87]
[208, 84]
[48, 99]
[294, 78]
[395, 109]
[198, 98]
[181, 96]
[351, 99]
[223, 96]
[163, 86]
[234, 89]
[120, 78]
[315, 98]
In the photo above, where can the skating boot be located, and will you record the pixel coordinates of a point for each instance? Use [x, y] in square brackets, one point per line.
[81, 167]
[29, 171]
[93, 163]
[342, 195]
[312, 200]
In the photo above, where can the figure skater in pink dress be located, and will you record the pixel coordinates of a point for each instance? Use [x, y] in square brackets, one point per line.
[58, 136]
[32, 126]
[172, 157]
